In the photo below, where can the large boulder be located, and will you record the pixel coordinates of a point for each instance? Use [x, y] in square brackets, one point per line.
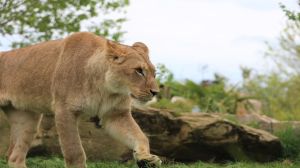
[191, 137]
[181, 137]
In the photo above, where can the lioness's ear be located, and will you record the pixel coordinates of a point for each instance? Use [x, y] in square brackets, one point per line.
[112, 55]
[140, 47]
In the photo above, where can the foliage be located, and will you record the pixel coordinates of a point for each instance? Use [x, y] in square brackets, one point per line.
[164, 75]
[286, 54]
[292, 15]
[279, 90]
[178, 107]
[31, 21]
[290, 142]
[280, 97]
[210, 96]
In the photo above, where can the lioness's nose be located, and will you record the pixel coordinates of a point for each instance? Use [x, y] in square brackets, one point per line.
[154, 92]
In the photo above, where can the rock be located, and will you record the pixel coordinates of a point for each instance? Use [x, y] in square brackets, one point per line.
[191, 137]
[280, 126]
[178, 99]
[184, 138]
[249, 111]
[97, 143]
[248, 106]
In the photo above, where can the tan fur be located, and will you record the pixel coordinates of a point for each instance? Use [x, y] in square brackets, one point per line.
[82, 73]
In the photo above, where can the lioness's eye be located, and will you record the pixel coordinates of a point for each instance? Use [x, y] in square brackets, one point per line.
[139, 71]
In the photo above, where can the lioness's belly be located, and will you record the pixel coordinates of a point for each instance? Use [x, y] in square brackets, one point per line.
[26, 74]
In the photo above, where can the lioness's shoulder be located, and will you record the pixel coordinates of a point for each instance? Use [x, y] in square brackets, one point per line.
[84, 38]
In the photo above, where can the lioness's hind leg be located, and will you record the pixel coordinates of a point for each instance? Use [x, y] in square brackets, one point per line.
[23, 126]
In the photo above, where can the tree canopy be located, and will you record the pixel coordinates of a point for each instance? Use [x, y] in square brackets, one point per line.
[279, 90]
[292, 15]
[29, 21]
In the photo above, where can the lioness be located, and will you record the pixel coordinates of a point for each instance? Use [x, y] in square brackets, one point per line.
[83, 73]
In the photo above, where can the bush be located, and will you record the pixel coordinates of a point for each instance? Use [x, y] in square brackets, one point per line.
[290, 142]
[210, 95]
[163, 103]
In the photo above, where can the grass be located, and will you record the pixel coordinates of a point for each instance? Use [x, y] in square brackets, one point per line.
[290, 140]
[178, 107]
[42, 162]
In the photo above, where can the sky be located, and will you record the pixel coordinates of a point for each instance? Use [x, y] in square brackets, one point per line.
[197, 38]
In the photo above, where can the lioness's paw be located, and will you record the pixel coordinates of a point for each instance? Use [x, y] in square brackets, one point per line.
[152, 161]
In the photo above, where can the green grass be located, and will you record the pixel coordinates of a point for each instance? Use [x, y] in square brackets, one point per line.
[177, 107]
[40, 162]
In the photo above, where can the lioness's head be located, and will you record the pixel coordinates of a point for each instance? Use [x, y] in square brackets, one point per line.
[130, 71]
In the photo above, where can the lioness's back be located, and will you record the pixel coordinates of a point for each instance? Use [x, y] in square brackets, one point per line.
[26, 73]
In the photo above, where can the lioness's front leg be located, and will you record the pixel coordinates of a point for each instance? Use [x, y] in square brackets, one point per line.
[122, 127]
[67, 129]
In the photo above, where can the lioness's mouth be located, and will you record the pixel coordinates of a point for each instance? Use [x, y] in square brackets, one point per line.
[140, 99]
[133, 96]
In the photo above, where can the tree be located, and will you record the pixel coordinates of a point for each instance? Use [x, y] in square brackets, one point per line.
[292, 15]
[30, 21]
[286, 54]
[279, 90]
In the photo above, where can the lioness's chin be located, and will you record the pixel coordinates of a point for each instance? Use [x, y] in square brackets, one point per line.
[136, 103]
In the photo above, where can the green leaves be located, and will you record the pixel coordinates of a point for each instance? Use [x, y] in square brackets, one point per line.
[295, 16]
[279, 90]
[32, 21]
[210, 96]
